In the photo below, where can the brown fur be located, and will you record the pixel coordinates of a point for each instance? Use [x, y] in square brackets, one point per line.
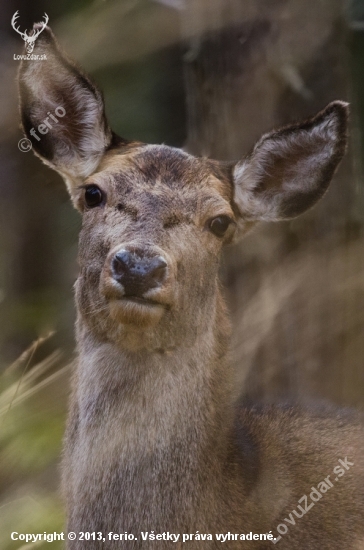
[156, 440]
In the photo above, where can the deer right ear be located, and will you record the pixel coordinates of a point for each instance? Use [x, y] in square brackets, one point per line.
[290, 169]
[62, 112]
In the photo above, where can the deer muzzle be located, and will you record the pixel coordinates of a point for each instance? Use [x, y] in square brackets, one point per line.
[137, 272]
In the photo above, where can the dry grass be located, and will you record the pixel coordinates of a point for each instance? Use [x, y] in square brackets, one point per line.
[32, 412]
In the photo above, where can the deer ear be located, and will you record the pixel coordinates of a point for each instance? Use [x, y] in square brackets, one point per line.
[290, 169]
[62, 112]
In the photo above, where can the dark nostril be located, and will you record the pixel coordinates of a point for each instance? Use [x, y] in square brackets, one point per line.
[120, 262]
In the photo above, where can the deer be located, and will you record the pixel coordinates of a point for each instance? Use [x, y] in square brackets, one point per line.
[158, 450]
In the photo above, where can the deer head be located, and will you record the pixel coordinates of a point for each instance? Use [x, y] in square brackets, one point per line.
[155, 218]
[29, 40]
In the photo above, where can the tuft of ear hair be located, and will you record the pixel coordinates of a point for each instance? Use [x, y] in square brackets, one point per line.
[62, 112]
[290, 169]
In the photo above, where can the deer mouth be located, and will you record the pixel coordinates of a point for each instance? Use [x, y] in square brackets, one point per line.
[141, 301]
[136, 308]
[136, 311]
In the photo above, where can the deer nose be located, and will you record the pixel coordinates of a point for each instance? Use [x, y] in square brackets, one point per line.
[138, 272]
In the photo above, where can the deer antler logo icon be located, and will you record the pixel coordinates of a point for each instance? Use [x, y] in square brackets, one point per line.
[29, 40]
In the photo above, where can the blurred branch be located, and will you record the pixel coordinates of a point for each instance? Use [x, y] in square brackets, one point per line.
[28, 353]
[9, 397]
[44, 383]
[175, 4]
[116, 32]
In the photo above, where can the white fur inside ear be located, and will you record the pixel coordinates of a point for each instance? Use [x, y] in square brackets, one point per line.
[93, 140]
[251, 207]
[87, 118]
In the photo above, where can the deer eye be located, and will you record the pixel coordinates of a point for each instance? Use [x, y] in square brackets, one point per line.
[219, 225]
[93, 196]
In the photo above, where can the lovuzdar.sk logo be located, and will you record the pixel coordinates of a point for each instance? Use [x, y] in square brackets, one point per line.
[29, 39]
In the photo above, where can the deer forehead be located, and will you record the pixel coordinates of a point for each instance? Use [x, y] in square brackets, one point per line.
[161, 181]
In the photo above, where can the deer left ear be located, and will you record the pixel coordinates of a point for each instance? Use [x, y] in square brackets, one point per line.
[62, 112]
[290, 169]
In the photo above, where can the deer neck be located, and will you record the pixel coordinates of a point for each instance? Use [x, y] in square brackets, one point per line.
[158, 395]
[140, 418]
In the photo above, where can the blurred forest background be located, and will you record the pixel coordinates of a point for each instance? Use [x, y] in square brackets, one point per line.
[212, 76]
